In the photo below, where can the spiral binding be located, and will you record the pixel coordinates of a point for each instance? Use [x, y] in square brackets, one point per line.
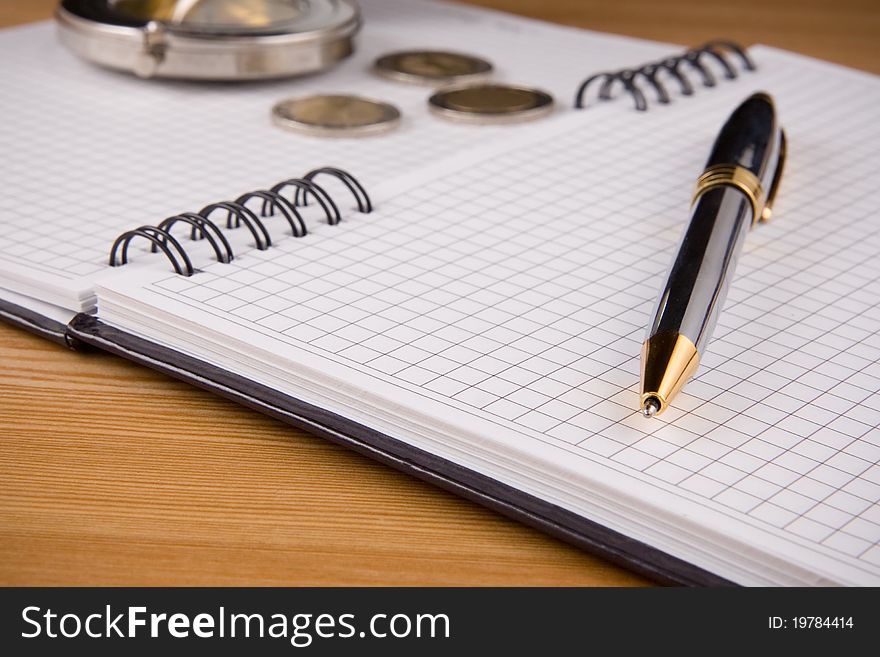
[629, 77]
[237, 212]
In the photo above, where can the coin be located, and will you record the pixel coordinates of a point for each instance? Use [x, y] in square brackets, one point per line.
[491, 103]
[336, 116]
[432, 67]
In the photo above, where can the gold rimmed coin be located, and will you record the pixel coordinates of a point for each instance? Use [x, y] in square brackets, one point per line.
[336, 116]
[432, 67]
[491, 103]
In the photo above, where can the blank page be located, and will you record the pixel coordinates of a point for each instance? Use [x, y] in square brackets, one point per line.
[493, 311]
[93, 152]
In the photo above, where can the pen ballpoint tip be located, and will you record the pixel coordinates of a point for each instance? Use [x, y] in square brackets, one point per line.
[650, 407]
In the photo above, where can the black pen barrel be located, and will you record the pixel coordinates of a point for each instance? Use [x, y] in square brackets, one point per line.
[747, 137]
[699, 277]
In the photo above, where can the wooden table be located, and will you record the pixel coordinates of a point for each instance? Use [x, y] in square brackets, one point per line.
[113, 474]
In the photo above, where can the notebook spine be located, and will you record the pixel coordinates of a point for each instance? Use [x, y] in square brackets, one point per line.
[650, 74]
[271, 202]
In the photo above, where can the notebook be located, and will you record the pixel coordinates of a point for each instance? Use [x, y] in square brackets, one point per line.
[481, 329]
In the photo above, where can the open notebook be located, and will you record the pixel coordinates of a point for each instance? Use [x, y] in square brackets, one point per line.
[490, 313]
[481, 329]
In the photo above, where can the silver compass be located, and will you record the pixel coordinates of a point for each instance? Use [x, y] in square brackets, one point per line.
[210, 39]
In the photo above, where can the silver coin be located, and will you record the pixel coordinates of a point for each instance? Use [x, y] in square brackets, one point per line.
[491, 103]
[336, 116]
[432, 67]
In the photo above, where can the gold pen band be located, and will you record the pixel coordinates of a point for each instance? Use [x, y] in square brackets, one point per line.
[731, 175]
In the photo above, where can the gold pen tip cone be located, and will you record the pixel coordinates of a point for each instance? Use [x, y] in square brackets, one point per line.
[650, 407]
[668, 360]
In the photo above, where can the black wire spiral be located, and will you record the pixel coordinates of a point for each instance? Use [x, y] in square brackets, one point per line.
[693, 59]
[238, 213]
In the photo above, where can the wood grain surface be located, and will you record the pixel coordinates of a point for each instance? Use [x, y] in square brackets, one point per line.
[112, 474]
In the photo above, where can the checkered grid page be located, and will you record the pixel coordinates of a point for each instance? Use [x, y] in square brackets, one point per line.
[519, 289]
[92, 153]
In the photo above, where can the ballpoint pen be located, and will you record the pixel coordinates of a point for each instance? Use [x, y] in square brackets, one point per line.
[729, 198]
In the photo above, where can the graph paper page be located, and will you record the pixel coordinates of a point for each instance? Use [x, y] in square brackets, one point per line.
[505, 298]
[94, 152]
